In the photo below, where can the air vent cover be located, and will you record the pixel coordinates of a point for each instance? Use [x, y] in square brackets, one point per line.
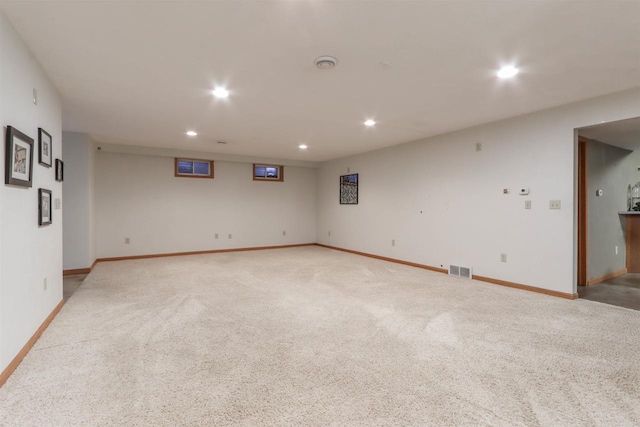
[466, 272]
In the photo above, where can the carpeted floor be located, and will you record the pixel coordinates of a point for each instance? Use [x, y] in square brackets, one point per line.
[311, 336]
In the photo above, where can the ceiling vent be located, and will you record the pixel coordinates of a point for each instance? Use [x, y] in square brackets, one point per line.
[326, 62]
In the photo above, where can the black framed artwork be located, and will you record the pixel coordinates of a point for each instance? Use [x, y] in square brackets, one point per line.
[18, 158]
[349, 189]
[59, 170]
[44, 206]
[45, 148]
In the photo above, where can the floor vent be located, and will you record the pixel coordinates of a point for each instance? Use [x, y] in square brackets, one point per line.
[466, 272]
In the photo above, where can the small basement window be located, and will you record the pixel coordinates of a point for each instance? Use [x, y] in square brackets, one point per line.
[192, 168]
[268, 172]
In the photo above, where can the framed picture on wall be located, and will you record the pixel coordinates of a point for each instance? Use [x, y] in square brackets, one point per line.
[44, 206]
[349, 189]
[59, 170]
[18, 158]
[45, 153]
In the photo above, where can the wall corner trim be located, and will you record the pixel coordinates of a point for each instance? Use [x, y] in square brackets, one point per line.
[27, 347]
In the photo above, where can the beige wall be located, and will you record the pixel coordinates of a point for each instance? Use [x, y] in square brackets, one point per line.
[443, 203]
[30, 253]
[137, 196]
[79, 188]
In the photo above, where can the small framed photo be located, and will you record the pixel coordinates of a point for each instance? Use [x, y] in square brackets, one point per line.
[44, 206]
[18, 158]
[59, 170]
[349, 189]
[45, 153]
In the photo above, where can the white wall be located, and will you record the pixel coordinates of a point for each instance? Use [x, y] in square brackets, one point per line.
[29, 253]
[79, 182]
[443, 202]
[137, 196]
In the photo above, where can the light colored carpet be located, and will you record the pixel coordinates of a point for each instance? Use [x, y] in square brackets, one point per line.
[311, 336]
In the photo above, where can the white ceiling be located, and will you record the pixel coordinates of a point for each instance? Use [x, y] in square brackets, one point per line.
[622, 133]
[141, 72]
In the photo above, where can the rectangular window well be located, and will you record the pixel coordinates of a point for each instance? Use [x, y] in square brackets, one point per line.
[191, 168]
[268, 173]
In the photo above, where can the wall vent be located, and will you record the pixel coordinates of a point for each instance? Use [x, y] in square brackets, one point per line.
[466, 272]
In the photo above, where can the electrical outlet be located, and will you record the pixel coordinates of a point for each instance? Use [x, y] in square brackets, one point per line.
[527, 204]
[616, 250]
[284, 232]
[554, 204]
[127, 240]
[393, 242]
[478, 146]
[44, 283]
[216, 236]
[229, 235]
[503, 257]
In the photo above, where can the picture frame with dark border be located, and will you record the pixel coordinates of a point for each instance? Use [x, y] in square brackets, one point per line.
[45, 148]
[18, 158]
[349, 189]
[59, 170]
[44, 206]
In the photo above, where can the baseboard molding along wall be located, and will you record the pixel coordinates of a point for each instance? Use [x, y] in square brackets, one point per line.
[79, 270]
[445, 271]
[213, 251]
[607, 276]
[21, 355]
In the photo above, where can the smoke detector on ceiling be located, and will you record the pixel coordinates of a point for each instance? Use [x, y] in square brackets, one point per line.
[326, 62]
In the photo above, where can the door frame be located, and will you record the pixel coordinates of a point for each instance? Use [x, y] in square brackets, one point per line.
[583, 194]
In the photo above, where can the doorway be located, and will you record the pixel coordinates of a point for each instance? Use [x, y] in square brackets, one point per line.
[608, 165]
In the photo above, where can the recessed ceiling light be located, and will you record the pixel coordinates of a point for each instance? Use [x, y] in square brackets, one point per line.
[192, 133]
[220, 92]
[302, 147]
[507, 72]
[369, 122]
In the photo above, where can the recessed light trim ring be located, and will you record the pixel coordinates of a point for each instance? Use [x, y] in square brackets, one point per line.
[326, 62]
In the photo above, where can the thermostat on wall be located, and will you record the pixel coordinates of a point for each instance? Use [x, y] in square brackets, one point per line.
[524, 191]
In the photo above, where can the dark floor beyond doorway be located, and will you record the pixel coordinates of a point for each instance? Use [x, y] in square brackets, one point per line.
[623, 291]
[70, 284]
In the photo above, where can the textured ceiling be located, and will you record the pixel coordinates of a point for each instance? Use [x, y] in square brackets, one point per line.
[141, 72]
[622, 133]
